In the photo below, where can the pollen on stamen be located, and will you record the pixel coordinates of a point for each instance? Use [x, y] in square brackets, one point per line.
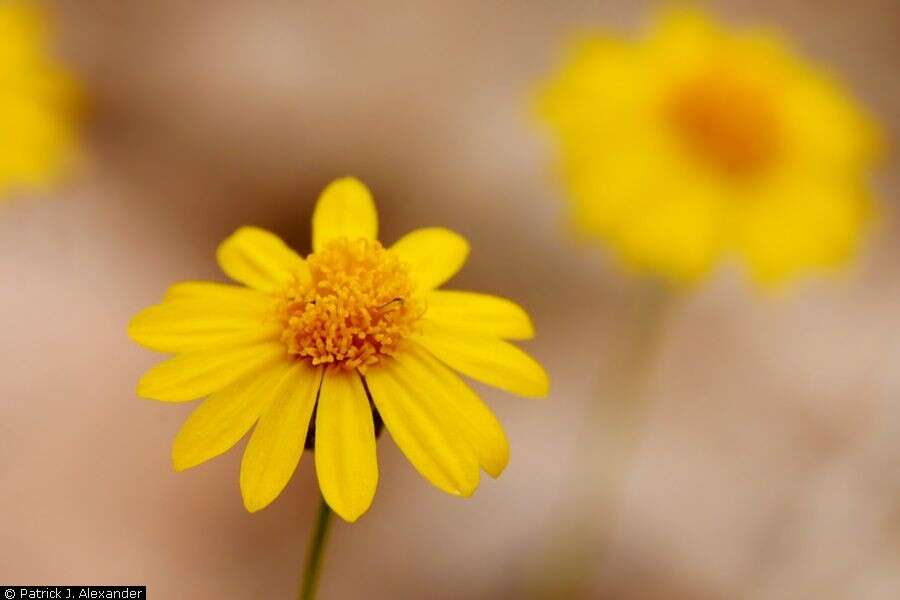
[358, 306]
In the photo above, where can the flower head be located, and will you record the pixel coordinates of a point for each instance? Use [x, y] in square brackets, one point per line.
[36, 101]
[325, 342]
[696, 143]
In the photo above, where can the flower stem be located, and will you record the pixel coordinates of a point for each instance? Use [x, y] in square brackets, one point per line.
[620, 415]
[613, 432]
[310, 583]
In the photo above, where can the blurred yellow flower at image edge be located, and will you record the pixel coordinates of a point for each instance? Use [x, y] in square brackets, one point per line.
[694, 144]
[37, 101]
[308, 342]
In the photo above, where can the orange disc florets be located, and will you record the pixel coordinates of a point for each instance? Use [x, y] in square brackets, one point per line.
[358, 306]
[731, 123]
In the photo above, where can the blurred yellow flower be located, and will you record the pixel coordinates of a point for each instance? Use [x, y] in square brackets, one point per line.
[37, 99]
[696, 143]
[353, 330]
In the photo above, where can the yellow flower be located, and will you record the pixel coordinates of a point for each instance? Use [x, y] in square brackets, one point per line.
[696, 144]
[36, 101]
[355, 333]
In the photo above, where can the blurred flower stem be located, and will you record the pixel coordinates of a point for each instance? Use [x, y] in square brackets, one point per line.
[613, 427]
[310, 583]
[620, 412]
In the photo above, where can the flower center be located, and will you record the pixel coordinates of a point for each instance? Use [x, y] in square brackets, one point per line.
[728, 122]
[357, 307]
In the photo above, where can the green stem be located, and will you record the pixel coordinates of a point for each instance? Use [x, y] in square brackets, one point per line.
[310, 583]
[613, 431]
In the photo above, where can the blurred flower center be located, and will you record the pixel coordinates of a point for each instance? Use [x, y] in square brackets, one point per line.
[357, 307]
[728, 122]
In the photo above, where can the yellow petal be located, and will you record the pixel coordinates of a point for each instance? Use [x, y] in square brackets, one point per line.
[277, 443]
[488, 360]
[223, 418]
[433, 254]
[217, 293]
[478, 314]
[474, 419]
[345, 445]
[188, 325]
[259, 259]
[345, 209]
[197, 374]
[422, 429]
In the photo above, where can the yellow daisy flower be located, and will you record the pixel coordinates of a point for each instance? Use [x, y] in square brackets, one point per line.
[37, 99]
[696, 143]
[353, 335]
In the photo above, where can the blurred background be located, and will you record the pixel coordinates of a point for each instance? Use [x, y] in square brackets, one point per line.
[768, 462]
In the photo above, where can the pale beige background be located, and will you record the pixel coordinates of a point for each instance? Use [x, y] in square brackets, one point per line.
[769, 465]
